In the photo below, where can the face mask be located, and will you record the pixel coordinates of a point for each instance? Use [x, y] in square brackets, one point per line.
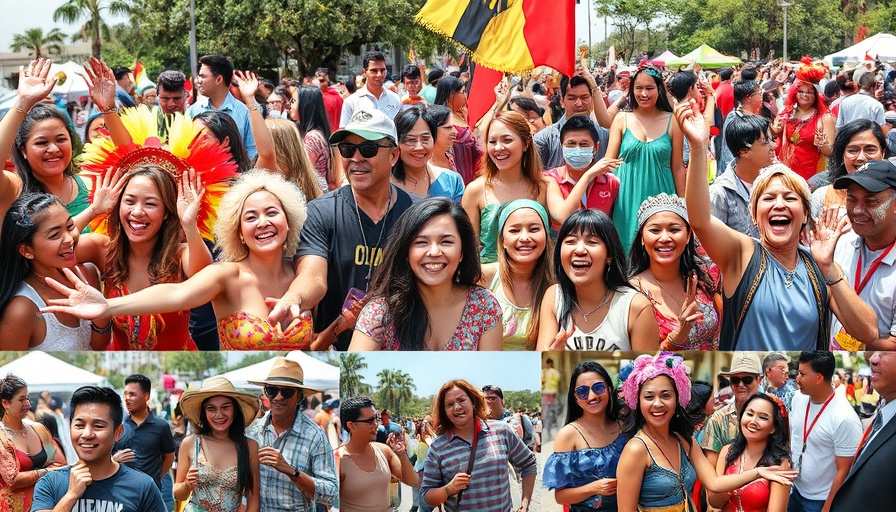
[274, 114]
[578, 158]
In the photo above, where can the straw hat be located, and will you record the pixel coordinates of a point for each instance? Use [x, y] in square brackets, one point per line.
[286, 373]
[191, 402]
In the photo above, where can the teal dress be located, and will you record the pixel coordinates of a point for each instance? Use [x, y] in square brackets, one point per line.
[645, 172]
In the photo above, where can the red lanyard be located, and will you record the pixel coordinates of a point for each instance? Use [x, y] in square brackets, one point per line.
[860, 282]
[862, 442]
[812, 425]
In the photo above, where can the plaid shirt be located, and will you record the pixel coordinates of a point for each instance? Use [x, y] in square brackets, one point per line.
[489, 488]
[305, 447]
[721, 428]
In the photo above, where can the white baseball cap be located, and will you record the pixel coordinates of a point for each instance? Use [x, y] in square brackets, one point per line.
[369, 124]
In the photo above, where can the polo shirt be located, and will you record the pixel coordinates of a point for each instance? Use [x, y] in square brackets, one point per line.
[389, 103]
[150, 440]
[878, 293]
[600, 194]
[237, 111]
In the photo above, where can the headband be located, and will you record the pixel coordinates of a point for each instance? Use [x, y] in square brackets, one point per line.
[518, 204]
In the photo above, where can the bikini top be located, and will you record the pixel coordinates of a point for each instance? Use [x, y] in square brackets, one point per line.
[241, 330]
[29, 462]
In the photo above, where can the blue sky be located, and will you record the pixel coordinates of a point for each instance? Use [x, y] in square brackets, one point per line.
[511, 371]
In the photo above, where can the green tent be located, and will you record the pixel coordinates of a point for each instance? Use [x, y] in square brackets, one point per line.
[704, 55]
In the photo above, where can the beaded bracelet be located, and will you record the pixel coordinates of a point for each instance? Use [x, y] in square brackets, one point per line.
[101, 330]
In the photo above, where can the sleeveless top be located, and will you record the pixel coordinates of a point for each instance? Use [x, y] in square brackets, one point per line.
[612, 333]
[364, 491]
[244, 331]
[581, 467]
[665, 490]
[488, 230]
[161, 331]
[646, 171]
[752, 497]
[216, 488]
[80, 202]
[796, 148]
[514, 319]
[765, 314]
[59, 337]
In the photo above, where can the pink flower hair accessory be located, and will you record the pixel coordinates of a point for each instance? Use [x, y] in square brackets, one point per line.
[647, 367]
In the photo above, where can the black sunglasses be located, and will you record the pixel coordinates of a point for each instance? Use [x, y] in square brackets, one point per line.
[368, 149]
[286, 393]
[598, 387]
[736, 381]
[377, 419]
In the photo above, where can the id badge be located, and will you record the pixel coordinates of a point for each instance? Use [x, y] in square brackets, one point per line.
[354, 297]
[796, 462]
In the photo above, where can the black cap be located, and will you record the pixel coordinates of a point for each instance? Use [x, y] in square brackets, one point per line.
[435, 75]
[874, 177]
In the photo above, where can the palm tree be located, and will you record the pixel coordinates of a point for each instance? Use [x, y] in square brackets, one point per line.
[38, 43]
[92, 12]
[396, 388]
[350, 378]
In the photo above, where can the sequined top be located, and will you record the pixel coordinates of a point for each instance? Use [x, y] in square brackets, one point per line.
[163, 331]
[241, 330]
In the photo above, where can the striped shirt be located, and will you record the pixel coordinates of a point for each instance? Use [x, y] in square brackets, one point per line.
[305, 447]
[489, 488]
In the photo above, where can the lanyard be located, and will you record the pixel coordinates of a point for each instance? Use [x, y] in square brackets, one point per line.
[860, 282]
[865, 436]
[812, 425]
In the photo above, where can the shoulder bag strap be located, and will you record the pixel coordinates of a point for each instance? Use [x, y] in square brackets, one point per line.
[476, 432]
[763, 265]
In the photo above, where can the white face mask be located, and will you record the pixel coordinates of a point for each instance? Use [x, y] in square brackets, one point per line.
[578, 158]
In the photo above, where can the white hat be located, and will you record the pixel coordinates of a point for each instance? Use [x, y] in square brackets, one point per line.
[369, 124]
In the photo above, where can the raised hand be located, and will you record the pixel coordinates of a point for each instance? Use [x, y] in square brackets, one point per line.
[83, 301]
[247, 82]
[79, 478]
[101, 84]
[189, 198]
[105, 196]
[823, 237]
[603, 166]
[35, 82]
[691, 122]
[397, 442]
[559, 341]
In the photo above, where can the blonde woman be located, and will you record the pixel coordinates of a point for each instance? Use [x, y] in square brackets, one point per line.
[292, 159]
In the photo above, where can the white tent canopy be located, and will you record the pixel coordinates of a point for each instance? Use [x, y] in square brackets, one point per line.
[880, 46]
[43, 372]
[74, 85]
[318, 374]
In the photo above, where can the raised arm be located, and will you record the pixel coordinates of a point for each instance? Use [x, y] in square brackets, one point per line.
[101, 85]
[264, 143]
[561, 208]
[725, 246]
[399, 463]
[189, 198]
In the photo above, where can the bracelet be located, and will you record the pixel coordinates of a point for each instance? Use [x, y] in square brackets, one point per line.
[101, 330]
[19, 108]
[835, 281]
[110, 110]
[254, 108]
[671, 341]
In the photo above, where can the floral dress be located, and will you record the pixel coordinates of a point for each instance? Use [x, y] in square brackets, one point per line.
[216, 489]
[481, 314]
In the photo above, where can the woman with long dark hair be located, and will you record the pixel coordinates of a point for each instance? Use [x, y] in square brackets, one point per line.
[763, 440]
[582, 469]
[38, 239]
[593, 306]
[424, 294]
[224, 130]
[452, 93]
[661, 462]
[682, 285]
[649, 142]
[314, 126]
[412, 171]
[218, 466]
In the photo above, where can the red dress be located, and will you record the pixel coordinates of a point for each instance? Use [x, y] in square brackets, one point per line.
[165, 331]
[796, 147]
[752, 497]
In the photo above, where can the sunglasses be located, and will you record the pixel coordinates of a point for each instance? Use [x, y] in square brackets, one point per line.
[367, 149]
[286, 393]
[737, 381]
[582, 392]
[372, 419]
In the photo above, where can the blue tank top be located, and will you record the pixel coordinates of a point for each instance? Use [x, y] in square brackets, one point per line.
[663, 487]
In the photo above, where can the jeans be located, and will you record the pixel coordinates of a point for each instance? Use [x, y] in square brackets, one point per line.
[167, 493]
[798, 503]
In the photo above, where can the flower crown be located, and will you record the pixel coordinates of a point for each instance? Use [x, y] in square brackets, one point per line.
[647, 367]
[188, 147]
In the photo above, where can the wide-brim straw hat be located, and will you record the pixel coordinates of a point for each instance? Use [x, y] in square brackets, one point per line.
[288, 374]
[191, 401]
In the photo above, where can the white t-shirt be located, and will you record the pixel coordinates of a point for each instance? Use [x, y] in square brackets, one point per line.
[836, 434]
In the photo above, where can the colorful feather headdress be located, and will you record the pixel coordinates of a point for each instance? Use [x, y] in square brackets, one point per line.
[188, 147]
[809, 71]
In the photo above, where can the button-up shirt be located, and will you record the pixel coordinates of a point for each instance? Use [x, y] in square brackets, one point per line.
[305, 447]
[388, 103]
[237, 111]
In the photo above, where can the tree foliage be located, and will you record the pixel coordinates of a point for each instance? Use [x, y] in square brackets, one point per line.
[37, 43]
[200, 364]
[395, 390]
[351, 382]
[91, 12]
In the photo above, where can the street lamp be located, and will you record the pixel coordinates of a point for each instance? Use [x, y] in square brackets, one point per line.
[785, 4]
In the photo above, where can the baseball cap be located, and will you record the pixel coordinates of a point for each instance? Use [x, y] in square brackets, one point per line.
[874, 177]
[369, 124]
[745, 362]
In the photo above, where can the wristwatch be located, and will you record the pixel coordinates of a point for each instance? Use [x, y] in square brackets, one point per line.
[296, 474]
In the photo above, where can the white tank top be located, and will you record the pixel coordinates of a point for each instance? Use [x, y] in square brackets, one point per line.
[612, 333]
[59, 337]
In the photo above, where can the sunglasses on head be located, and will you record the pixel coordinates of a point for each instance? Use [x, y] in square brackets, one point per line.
[286, 393]
[368, 149]
[599, 388]
[736, 381]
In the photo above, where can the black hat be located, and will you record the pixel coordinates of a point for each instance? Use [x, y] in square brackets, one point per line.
[434, 76]
[874, 177]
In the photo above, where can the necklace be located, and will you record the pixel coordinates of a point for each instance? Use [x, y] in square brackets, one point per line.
[602, 304]
[379, 239]
[408, 178]
[506, 187]
[15, 433]
[671, 296]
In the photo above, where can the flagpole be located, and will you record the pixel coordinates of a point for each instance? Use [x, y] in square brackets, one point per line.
[194, 60]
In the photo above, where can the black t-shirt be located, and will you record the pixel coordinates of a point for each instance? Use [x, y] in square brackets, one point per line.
[333, 231]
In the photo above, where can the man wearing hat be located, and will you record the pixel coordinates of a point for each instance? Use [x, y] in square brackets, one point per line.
[343, 238]
[296, 461]
[722, 427]
[866, 253]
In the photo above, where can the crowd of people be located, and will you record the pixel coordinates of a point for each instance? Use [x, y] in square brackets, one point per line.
[625, 209]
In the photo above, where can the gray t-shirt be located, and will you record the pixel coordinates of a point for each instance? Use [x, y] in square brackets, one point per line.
[128, 490]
